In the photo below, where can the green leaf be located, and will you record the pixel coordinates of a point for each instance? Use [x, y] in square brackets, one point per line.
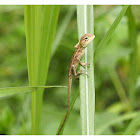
[62, 28]
[70, 109]
[40, 23]
[133, 73]
[101, 118]
[109, 122]
[132, 127]
[4, 92]
[120, 90]
[110, 31]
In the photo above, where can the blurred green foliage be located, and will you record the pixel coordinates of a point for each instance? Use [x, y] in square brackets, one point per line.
[15, 111]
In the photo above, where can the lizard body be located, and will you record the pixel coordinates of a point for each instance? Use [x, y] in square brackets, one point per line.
[80, 50]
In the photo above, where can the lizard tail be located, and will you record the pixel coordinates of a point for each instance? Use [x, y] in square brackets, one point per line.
[68, 105]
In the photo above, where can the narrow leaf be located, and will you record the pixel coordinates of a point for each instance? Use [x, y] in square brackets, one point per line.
[4, 92]
[70, 109]
[133, 57]
[62, 28]
[109, 123]
[110, 31]
[40, 23]
[134, 124]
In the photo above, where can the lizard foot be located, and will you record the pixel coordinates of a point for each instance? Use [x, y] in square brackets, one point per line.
[81, 72]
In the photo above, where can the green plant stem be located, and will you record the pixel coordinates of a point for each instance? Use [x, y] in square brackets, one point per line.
[85, 21]
[120, 90]
[133, 57]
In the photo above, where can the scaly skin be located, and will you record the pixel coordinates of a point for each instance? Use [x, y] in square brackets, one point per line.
[80, 50]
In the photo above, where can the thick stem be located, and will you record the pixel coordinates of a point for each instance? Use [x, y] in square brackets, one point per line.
[85, 19]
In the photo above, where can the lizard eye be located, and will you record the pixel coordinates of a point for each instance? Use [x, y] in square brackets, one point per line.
[86, 38]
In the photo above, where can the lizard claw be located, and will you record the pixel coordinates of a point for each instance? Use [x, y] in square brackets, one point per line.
[88, 65]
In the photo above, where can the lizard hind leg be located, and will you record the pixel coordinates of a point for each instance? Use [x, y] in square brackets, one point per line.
[81, 72]
[78, 73]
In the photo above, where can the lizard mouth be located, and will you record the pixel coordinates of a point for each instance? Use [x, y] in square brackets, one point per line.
[93, 37]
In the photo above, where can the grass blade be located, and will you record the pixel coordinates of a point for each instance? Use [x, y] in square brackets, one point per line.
[120, 90]
[40, 22]
[110, 31]
[87, 91]
[133, 57]
[62, 28]
[70, 109]
[7, 91]
[131, 129]
[109, 123]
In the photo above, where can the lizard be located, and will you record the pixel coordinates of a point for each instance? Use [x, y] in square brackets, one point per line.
[75, 60]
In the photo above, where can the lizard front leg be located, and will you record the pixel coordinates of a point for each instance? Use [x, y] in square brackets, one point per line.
[83, 64]
[78, 73]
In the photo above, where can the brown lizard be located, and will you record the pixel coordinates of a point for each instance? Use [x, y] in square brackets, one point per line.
[80, 49]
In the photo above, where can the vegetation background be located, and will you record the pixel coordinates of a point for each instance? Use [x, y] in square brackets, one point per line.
[115, 113]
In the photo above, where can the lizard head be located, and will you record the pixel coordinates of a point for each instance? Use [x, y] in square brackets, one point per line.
[86, 39]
